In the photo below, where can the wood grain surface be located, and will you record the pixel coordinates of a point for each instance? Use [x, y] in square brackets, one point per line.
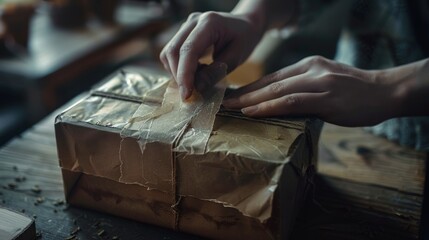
[367, 187]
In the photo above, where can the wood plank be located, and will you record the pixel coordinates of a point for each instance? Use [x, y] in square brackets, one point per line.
[353, 154]
[395, 212]
[339, 209]
[366, 178]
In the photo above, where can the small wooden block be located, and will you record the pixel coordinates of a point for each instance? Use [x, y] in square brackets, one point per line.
[16, 226]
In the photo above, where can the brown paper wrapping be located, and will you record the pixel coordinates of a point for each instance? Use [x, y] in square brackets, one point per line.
[133, 149]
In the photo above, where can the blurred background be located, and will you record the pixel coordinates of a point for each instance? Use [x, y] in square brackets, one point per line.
[51, 51]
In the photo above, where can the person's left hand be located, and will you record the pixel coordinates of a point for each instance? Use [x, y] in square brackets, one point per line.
[319, 87]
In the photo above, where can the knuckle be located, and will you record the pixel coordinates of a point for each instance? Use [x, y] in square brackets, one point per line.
[186, 48]
[318, 60]
[210, 16]
[326, 76]
[307, 60]
[276, 88]
[315, 60]
[193, 16]
[329, 78]
[292, 100]
[273, 77]
[171, 50]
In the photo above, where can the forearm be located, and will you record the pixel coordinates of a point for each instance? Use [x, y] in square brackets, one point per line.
[267, 14]
[410, 88]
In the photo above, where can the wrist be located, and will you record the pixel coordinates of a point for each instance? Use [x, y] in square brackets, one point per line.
[400, 95]
[387, 93]
[402, 90]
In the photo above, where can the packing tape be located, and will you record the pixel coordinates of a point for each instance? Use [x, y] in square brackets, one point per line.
[174, 126]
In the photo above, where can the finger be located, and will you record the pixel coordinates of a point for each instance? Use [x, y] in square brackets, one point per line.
[170, 53]
[287, 72]
[208, 75]
[296, 84]
[201, 37]
[297, 104]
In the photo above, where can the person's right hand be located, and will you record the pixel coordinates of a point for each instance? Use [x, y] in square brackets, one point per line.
[233, 38]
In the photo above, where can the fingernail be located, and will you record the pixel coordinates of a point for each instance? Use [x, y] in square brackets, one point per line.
[249, 110]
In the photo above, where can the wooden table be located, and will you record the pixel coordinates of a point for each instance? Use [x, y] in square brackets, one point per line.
[57, 56]
[367, 188]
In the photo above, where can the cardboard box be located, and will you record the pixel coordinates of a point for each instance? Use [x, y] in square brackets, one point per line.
[133, 149]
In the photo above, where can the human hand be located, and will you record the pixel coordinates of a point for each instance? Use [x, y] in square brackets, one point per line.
[319, 87]
[233, 37]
